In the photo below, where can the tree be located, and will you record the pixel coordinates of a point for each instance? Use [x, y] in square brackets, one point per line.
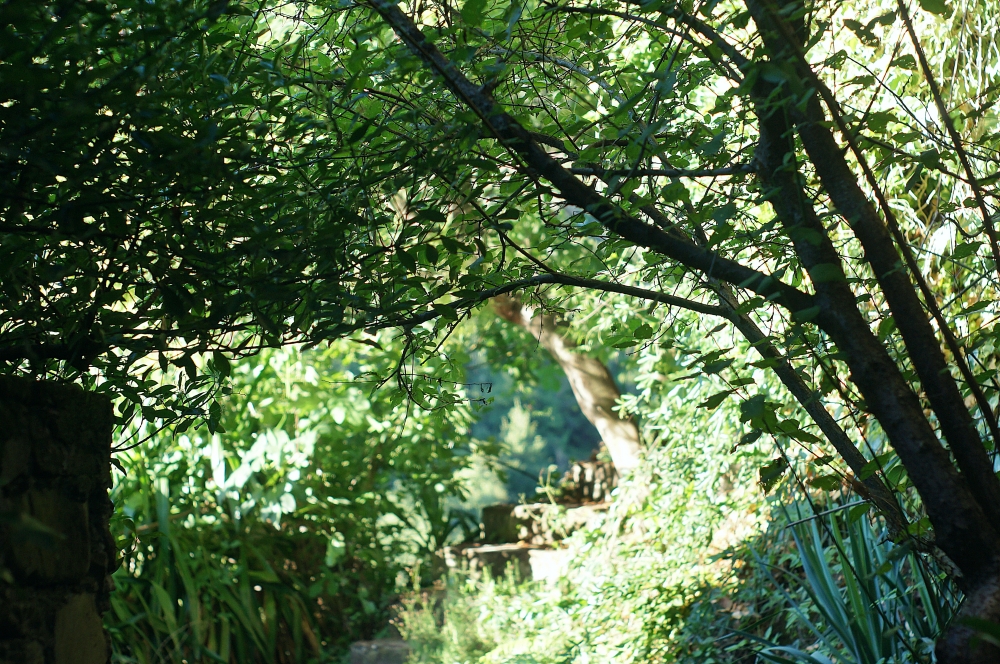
[646, 147]
[593, 385]
[731, 152]
[144, 221]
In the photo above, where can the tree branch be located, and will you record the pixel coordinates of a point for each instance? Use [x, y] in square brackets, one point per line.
[538, 163]
[918, 335]
[963, 523]
[601, 172]
[879, 494]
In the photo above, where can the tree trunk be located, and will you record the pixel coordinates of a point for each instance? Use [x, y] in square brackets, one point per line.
[964, 504]
[56, 551]
[593, 385]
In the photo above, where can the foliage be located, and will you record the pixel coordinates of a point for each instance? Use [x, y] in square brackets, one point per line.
[408, 202]
[818, 179]
[620, 204]
[631, 582]
[836, 592]
[288, 532]
[869, 601]
[694, 562]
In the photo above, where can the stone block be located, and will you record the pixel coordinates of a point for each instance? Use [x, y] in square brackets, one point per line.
[79, 633]
[380, 651]
[499, 526]
[52, 544]
[55, 472]
[499, 559]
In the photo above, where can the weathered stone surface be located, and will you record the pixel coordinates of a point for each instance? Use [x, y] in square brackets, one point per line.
[537, 523]
[588, 481]
[499, 524]
[79, 632]
[380, 651]
[56, 552]
[499, 559]
[64, 555]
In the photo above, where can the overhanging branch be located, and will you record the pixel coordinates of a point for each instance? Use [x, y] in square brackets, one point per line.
[538, 163]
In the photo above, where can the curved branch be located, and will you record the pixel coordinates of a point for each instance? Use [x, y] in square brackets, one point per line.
[739, 169]
[539, 163]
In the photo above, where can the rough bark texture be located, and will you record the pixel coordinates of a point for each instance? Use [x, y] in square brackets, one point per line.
[964, 506]
[593, 385]
[961, 644]
[56, 552]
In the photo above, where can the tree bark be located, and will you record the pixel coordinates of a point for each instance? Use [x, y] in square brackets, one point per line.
[56, 551]
[593, 385]
[963, 505]
[911, 319]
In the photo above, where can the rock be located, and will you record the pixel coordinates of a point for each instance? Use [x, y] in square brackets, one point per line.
[497, 558]
[545, 524]
[588, 481]
[499, 525]
[56, 551]
[380, 651]
[537, 523]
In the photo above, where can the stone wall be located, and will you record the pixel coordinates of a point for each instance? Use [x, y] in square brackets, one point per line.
[56, 552]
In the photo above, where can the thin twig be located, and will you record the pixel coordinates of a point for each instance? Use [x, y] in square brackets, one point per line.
[956, 140]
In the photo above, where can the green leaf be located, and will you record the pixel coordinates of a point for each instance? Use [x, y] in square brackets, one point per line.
[644, 331]
[432, 254]
[855, 513]
[866, 36]
[715, 400]
[770, 473]
[872, 466]
[747, 438]
[359, 132]
[939, 7]
[717, 366]
[407, 259]
[966, 249]
[221, 363]
[473, 12]
[886, 327]
[752, 408]
[930, 158]
[905, 61]
[826, 482]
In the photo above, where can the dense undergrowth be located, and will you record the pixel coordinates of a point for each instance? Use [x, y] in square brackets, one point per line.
[811, 587]
[288, 532]
[305, 523]
[189, 207]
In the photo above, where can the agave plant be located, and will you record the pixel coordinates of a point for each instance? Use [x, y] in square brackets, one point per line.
[869, 600]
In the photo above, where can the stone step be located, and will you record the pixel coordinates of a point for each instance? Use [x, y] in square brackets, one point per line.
[535, 562]
[538, 523]
[380, 651]
[587, 482]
